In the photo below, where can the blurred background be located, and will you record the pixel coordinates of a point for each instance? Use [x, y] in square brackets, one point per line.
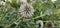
[29, 13]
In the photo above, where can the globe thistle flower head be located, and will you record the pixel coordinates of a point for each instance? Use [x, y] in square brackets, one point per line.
[2, 3]
[26, 11]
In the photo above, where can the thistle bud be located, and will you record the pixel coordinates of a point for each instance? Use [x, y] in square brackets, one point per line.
[49, 25]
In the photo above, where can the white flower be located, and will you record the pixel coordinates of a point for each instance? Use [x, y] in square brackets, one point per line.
[26, 11]
[53, 0]
[2, 3]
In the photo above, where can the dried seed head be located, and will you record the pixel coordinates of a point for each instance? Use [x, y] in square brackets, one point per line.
[49, 25]
[26, 11]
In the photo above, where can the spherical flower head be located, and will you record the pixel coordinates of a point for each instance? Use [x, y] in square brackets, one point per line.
[26, 11]
[2, 3]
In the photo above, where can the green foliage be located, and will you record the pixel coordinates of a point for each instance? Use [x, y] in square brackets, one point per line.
[8, 13]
